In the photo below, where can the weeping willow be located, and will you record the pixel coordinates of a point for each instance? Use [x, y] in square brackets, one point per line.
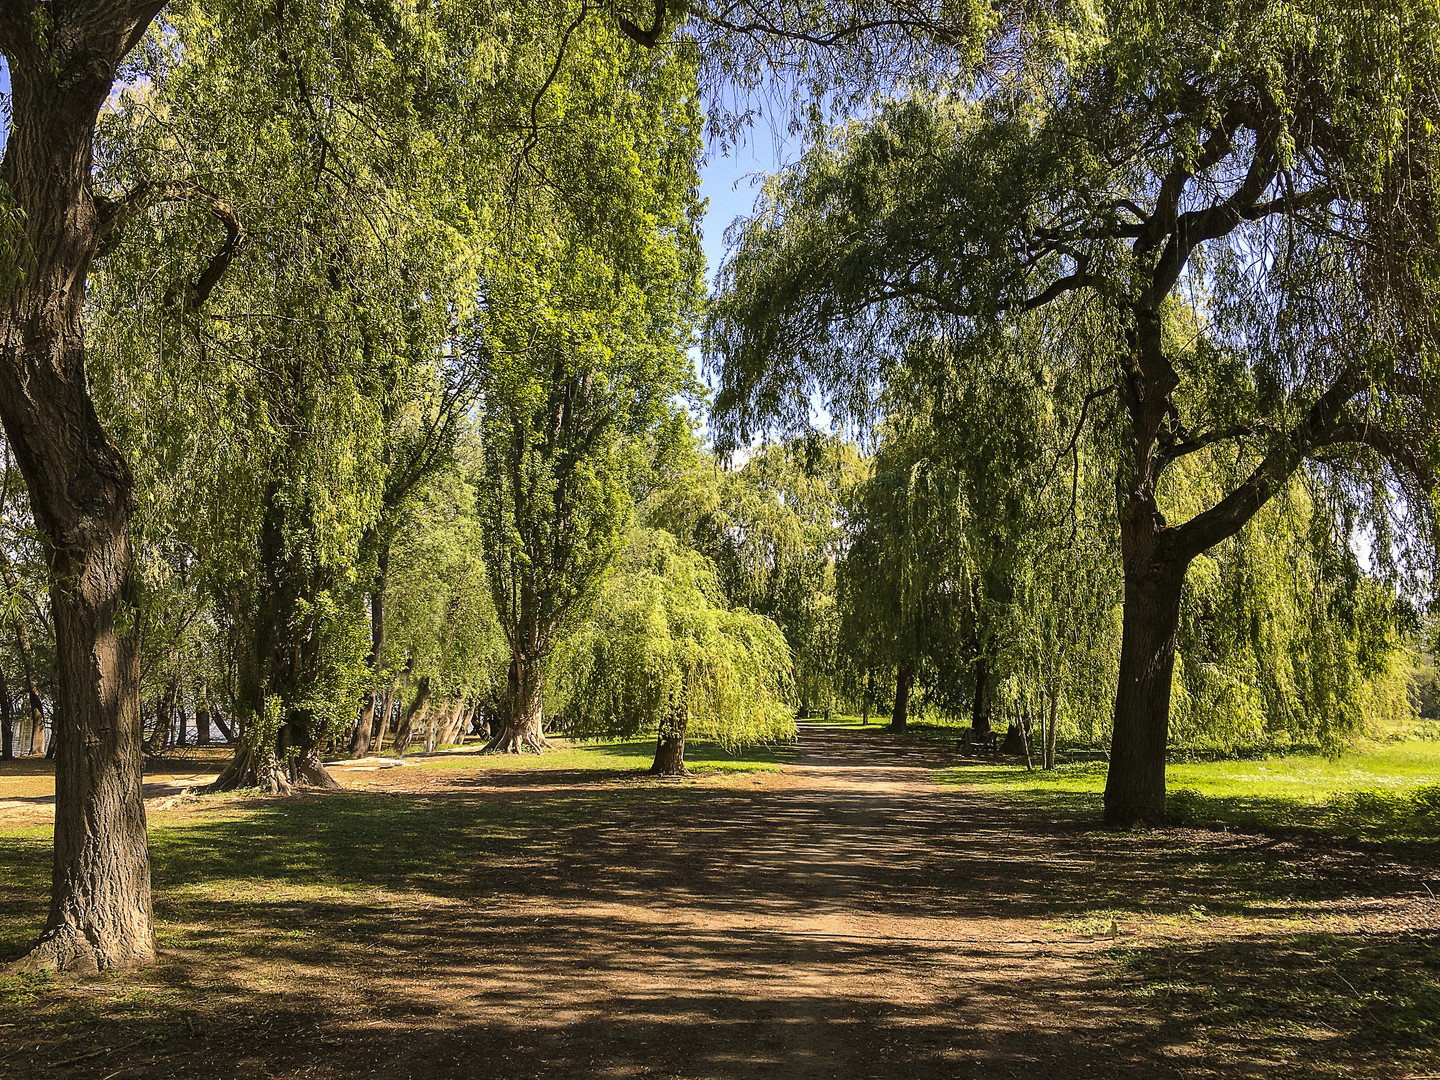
[663, 643]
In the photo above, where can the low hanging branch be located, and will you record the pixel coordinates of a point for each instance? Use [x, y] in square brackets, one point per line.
[113, 213]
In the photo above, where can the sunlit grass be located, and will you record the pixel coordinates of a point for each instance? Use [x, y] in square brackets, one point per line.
[1376, 790]
[614, 755]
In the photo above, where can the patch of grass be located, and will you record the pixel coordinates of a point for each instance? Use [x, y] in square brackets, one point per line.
[1379, 791]
[1288, 989]
[620, 755]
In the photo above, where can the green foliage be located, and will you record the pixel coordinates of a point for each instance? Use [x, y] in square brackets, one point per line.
[439, 620]
[588, 293]
[662, 637]
[773, 530]
[1198, 210]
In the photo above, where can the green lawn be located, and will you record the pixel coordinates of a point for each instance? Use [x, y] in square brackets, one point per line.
[1377, 790]
[616, 755]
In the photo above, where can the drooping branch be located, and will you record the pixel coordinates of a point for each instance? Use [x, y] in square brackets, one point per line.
[113, 213]
[1405, 454]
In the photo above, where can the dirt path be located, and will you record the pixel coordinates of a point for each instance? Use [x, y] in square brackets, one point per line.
[843, 919]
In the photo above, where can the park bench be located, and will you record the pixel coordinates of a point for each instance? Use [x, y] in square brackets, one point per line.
[973, 743]
[1084, 755]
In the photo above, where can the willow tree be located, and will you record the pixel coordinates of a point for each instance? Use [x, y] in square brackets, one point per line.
[442, 629]
[1133, 155]
[664, 651]
[772, 528]
[62, 60]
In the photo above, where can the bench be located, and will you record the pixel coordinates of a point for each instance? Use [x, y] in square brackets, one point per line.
[974, 743]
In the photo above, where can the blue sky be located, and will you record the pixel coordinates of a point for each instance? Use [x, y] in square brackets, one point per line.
[731, 184]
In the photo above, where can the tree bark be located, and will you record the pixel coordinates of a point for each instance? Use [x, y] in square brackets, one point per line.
[202, 716]
[404, 732]
[1135, 786]
[904, 678]
[522, 726]
[979, 714]
[62, 61]
[670, 743]
[382, 720]
[447, 731]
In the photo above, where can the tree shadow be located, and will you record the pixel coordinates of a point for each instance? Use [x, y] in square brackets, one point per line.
[836, 929]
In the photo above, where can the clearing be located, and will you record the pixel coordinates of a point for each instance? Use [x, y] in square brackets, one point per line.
[842, 915]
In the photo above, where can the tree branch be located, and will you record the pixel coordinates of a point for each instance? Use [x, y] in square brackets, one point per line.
[645, 38]
[113, 213]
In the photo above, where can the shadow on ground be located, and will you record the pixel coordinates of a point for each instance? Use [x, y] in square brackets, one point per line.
[846, 920]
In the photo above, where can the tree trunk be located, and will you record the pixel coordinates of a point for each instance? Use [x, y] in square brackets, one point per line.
[33, 700]
[382, 720]
[7, 731]
[522, 726]
[164, 719]
[62, 61]
[360, 741]
[979, 714]
[1135, 786]
[251, 767]
[904, 677]
[181, 721]
[365, 728]
[467, 717]
[225, 731]
[1052, 728]
[451, 725]
[405, 730]
[670, 744]
[202, 716]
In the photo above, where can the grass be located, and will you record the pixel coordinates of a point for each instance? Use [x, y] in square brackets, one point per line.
[617, 755]
[1376, 791]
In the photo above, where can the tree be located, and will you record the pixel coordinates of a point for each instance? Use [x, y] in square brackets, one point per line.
[664, 652]
[62, 60]
[1219, 152]
[586, 311]
[772, 528]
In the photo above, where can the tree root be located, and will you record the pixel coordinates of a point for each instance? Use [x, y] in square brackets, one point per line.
[67, 949]
[247, 769]
[516, 742]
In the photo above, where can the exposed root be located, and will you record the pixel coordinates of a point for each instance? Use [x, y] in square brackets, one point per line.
[66, 949]
[518, 742]
[249, 769]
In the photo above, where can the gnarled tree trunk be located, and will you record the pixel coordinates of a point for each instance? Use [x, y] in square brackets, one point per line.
[523, 722]
[415, 713]
[62, 60]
